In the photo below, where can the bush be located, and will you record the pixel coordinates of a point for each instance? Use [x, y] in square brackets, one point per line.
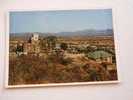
[53, 69]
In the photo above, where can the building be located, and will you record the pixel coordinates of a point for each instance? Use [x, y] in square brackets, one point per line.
[35, 37]
[100, 56]
[29, 47]
[32, 46]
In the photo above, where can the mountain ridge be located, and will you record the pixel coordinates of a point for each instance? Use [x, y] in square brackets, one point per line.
[87, 32]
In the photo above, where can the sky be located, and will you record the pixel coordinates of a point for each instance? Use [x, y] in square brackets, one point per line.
[60, 21]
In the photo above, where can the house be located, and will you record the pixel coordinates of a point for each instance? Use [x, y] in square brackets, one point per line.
[100, 56]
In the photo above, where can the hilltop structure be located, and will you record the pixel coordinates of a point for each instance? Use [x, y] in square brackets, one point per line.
[29, 47]
[32, 46]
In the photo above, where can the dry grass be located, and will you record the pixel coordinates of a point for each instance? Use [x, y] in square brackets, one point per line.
[53, 69]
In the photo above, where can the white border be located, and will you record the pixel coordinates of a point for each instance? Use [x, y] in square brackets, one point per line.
[55, 84]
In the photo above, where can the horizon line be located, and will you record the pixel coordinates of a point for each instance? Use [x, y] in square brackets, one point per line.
[64, 31]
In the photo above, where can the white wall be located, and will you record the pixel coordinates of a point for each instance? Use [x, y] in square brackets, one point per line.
[123, 25]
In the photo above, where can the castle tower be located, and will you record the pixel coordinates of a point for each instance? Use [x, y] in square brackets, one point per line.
[35, 37]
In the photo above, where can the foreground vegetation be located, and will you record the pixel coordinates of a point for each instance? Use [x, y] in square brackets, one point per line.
[55, 69]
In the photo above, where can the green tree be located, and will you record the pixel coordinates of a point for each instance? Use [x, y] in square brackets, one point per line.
[51, 41]
[64, 46]
[20, 48]
[43, 43]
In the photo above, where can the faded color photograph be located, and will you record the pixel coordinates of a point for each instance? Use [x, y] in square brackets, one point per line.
[63, 46]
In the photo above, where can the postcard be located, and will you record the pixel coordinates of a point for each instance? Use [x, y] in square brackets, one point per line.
[61, 47]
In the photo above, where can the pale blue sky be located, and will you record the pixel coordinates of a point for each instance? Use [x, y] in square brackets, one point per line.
[58, 21]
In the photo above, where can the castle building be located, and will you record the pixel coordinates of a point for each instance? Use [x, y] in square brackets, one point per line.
[32, 46]
[35, 37]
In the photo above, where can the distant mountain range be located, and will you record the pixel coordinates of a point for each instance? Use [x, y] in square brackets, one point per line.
[108, 32]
